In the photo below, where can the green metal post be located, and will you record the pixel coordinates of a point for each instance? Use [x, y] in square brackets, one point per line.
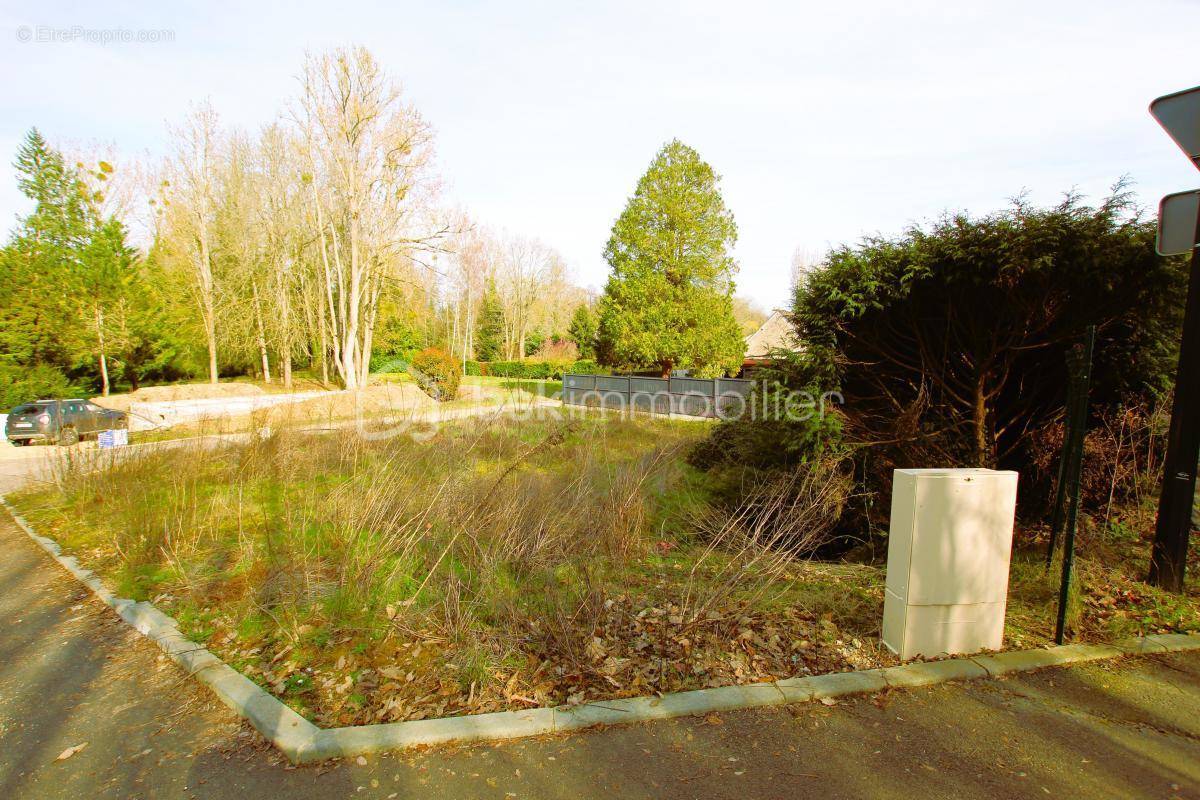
[1082, 372]
[1064, 458]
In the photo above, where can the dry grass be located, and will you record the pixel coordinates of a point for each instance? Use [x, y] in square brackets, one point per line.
[508, 563]
[500, 564]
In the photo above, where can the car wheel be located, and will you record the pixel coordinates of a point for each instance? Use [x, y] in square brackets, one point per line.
[68, 437]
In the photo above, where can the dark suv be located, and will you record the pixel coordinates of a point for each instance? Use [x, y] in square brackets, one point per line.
[60, 421]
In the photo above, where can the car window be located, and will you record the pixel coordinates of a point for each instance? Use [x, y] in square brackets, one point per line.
[28, 408]
[74, 408]
[95, 409]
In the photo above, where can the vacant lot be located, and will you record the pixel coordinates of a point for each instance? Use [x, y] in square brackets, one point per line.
[495, 566]
[508, 563]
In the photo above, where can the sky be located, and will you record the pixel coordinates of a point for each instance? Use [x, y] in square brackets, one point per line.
[827, 121]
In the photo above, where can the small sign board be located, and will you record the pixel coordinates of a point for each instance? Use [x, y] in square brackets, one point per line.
[1179, 114]
[1177, 215]
[118, 437]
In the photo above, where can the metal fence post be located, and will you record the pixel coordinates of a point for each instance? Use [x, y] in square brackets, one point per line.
[1081, 374]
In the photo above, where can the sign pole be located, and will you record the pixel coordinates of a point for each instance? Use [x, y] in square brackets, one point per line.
[1065, 459]
[1080, 361]
[1168, 556]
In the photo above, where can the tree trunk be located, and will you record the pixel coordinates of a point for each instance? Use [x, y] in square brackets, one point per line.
[324, 347]
[285, 344]
[984, 455]
[100, 342]
[368, 339]
[262, 334]
[350, 348]
[210, 335]
[333, 310]
[207, 302]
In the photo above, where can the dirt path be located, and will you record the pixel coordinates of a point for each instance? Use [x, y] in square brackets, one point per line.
[71, 673]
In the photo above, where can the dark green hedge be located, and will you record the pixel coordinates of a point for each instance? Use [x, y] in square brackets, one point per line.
[531, 370]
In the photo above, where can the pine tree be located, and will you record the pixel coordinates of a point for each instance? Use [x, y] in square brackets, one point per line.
[58, 224]
[582, 331]
[108, 268]
[39, 269]
[489, 333]
[669, 300]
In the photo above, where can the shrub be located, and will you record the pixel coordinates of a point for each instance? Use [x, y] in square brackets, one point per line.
[392, 361]
[532, 370]
[437, 373]
[536, 370]
[586, 366]
[791, 511]
[949, 342]
[22, 384]
[1122, 457]
[767, 443]
[954, 337]
[557, 350]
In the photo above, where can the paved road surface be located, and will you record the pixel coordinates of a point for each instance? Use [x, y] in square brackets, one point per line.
[72, 674]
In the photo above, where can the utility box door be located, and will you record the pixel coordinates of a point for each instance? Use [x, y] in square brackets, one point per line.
[948, 560]
[954, 529]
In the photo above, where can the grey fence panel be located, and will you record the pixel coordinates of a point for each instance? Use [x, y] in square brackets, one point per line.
[734, 386]
[694, 405]
[580, 397]
[613, 399]
[651, 402]
[650, 385]
[579, 381]
[694, 397]
[704, 386]
[608, 383]
[730, 405]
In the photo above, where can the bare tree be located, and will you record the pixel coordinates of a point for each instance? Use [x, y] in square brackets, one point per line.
[308, 239]
[189, 204]
[280, 221]
[804, 261]
[370, 157]
[242, 250]
[473, 263]
[525, 266]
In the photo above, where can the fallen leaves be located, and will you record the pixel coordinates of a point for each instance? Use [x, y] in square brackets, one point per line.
[629, 646]
[70, 751]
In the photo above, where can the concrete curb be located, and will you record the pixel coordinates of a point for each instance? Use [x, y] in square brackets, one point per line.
[303, 742]
[283, 727]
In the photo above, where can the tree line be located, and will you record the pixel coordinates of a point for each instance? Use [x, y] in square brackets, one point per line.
[321, 240]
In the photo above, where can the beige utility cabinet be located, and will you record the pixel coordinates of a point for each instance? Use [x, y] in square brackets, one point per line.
[948, 556]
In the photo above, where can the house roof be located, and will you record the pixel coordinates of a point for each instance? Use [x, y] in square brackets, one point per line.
[774, 334]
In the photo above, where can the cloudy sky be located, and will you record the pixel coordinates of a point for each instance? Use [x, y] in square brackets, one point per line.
[827, 121]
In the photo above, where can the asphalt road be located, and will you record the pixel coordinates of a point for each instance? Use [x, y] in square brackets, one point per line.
[72, 674]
